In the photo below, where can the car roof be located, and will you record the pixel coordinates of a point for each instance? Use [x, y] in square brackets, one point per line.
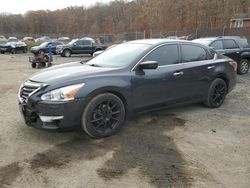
[221, 37]
[158, 41]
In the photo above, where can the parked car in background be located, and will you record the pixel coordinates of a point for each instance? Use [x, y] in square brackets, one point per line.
[85, 45]
[3, 39]
[13, 47]
[28, 39]
[127, 79]
[234, 47]
[173, 37]
[101, 51]
[44, 47]
[43, 39]
[65, 40]
[12, 39]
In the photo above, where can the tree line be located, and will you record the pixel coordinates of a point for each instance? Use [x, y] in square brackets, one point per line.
[125, 16]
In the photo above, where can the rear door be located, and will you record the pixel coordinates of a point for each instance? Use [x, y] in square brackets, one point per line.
[231, 49]
[87, 47]
[162, 86]
[199, 67]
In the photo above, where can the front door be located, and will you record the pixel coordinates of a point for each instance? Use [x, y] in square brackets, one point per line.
[162, 86]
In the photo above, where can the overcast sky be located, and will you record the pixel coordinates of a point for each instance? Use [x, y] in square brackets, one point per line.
[22, 6]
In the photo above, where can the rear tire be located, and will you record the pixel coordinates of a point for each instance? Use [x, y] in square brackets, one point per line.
[216, 94]
[103, 116]
[243, 67]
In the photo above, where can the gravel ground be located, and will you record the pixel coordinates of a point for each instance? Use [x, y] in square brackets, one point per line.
[190, 146]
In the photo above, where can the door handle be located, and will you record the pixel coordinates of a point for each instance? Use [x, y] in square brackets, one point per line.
[211, 67]
[178, 73]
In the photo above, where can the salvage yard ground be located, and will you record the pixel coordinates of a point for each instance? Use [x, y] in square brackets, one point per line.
[190, 146]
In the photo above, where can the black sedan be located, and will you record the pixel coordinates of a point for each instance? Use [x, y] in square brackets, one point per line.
[13, 47]
[127, 79]
[44, 47]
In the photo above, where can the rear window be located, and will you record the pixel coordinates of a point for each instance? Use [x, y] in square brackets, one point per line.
[244, 43]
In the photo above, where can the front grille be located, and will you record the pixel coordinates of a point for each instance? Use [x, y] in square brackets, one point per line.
[28, 89]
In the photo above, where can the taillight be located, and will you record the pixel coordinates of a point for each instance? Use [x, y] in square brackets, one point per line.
[234, 65]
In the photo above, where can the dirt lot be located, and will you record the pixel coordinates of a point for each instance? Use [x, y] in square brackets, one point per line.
[190, 146]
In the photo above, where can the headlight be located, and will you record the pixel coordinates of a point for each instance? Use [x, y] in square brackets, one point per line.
[62, 94]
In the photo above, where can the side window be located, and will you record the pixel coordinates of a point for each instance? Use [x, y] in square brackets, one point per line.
[193, 53]
[86, 42]
[165, 55]
[78, 43]
[217, 45]
[230, 44]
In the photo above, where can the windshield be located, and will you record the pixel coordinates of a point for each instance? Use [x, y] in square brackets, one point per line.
[72, 42]
[119, 56]
[10, 44]
[44, 44]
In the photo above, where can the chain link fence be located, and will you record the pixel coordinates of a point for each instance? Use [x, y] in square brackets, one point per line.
[198, 33]
[128, 36]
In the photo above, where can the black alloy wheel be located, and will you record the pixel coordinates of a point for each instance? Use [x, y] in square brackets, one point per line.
[103, 116]
[217, 93]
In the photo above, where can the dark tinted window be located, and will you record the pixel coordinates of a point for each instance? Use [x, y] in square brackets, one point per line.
[86, 42]
[56, 43]
[243, 42]
[79, 42]
[230, 44]
[164, 55]
[217, 45]
[193, 53]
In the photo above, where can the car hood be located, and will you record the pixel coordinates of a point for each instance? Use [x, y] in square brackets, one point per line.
[68, 72]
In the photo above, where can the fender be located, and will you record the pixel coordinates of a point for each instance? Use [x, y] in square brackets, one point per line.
[245, 55]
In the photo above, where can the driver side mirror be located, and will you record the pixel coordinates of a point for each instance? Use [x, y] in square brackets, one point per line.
[148, 65]
[74, 44]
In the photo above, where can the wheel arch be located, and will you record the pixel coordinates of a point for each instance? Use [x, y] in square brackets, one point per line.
[114, 92]
[223, 77]
[245, 55]
[98, 49]
[67, 49]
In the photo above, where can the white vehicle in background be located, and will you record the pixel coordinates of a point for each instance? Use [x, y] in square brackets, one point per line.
[12, 39]
[43, 39]
[65, 40]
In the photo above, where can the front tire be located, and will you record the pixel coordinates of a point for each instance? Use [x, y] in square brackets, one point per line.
[66, 53]
[103, 116]
[243, 67]
[13, 51]
[217, 93]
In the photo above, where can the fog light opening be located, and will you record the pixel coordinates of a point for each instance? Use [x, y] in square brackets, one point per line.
[50, 119]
